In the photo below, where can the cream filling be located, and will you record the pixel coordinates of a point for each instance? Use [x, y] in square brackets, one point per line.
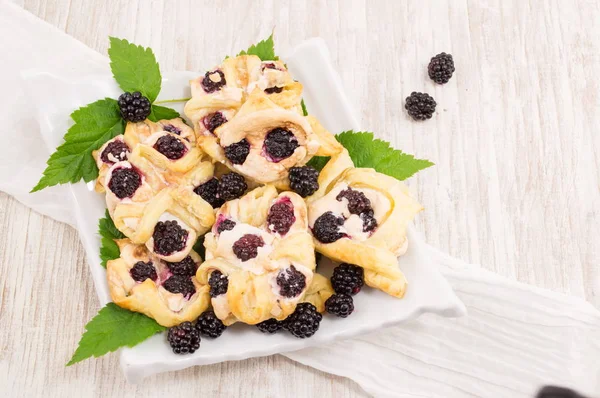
[175, 301]
[221, 306]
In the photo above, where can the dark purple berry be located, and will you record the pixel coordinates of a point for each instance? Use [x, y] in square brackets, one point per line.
[304, 322]
[340, 305]
[213, 81]
[272, 90]
[186, 267]
[169, 237]
[124, 181]
[115, 151]
[291, 282]
[358, 202]
[440, 68]
[270, 326]
[369, 221]
[172, 129]
[420, 106]
[269, 65]
[170, 146]
[231, 186]
[225, 225]
[280, 144]
[347, 279]
[208, 192]
[134, 107]
[209, 325]
[180, 284]
[304, 180]
[184, 338]
[326, 228]
[213, 121]
[218, 283]
[246, 247]
[281, 217]
[238, 152]
[142, 271]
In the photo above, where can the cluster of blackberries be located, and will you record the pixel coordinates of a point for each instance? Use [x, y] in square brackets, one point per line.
[421, 106]
[185, 337]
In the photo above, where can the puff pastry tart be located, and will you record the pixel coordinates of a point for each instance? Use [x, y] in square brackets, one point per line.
[246, 115]
[152, 187]
[166, 291]
[259, 257]
[360, 216]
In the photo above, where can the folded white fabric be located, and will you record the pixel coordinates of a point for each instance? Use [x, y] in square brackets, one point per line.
[515, 338]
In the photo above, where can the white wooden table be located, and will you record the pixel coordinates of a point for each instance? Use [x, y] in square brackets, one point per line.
[516, 141]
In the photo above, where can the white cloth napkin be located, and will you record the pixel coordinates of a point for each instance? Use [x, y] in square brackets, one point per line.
[515, 338]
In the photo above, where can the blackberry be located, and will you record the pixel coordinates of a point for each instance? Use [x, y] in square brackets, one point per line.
[208, 192]
[304, 321]
[170, 146]
[348, 279]
[280, 144]
[326, 228]
[184, 338]
[303, 180]
[272, 90]
[124, 182]
[281, 217]
[134, 106]
[225, 225]
[172, 129]
[213, 121]
[213, 81]
[557, 392]
[358, 202]
[270, 326]
[169, 237]
[231, 186]
[209, 325]
[115, 151]
[440, 68]
[186, 267]
[291, 282]
[369, 221]
[420, 106]
[180, 284]
[238, 152]
[142, 271]
[218, 283]
[246, 247]
[340, 305]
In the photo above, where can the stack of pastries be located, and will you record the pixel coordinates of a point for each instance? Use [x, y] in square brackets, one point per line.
[237, 181]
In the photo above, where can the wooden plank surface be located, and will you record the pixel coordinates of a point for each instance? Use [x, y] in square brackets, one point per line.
[515, 140]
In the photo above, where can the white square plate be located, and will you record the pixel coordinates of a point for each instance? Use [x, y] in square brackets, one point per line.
[309, 63]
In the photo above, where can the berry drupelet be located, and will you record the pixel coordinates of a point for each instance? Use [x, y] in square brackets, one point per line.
[184, 338]
[340, 305]
[231, 186]
[303, 180]
[348, 279]
[440, 68]
[304, 321]
[420, 106]
[209, 325]
[134, 107]
[270, 326]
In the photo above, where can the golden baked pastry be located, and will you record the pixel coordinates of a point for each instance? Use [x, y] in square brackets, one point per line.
[149, 175]
[259, 257]
[167, 292]
[247, 115]
[360, 216]
[318, 292]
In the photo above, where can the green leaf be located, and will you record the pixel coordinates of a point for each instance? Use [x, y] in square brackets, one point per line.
[134, 68]
[264, 49]
[95, 124]
[109, 250]
[367, 151]
[199, 247]
[112, 328]
[160, 113]
[303, 105]
[318, 162]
